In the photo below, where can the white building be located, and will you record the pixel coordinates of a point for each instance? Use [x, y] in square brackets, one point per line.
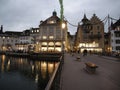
[15, 41]
[24, 41]
[7, 42]
[115, 37]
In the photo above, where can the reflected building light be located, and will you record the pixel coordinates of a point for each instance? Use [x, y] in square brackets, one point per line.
[33, 68]
[3, 57]
[21, 61]
[8, 65]
[56, 64]
[50, 65]
[3, 61]
[50, 68]
[43, 69]
[36, 67]
[9, 62]
[44, 65]
[36, 78]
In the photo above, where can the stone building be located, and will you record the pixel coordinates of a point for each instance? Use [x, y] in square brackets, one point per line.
[90, 35]
[50, 36]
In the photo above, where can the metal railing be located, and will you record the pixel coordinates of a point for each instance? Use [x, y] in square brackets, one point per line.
[54, 82]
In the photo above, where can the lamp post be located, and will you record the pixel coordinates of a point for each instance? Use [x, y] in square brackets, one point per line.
[63, 25]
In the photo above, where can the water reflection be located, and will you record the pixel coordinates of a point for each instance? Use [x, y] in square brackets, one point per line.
[37, 71]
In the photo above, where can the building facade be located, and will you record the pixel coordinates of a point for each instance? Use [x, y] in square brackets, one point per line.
[115, 37]
[7, 42]
[50, 36]
[90, 35]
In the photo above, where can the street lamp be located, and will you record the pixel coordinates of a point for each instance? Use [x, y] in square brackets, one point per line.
[63, 25]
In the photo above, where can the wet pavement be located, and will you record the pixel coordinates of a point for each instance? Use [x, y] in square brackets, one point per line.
[75, 77]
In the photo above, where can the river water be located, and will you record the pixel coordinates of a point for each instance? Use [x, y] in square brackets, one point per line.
[24, 74]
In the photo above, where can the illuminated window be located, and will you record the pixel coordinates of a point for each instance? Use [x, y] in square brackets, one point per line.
[58, 49]
[44, 43]
[3, 37]
[51, 43]
[58, 43]
[82, 45]
[37, 30]
[44, 49]
[44, 37]
[50, 68]
[51, 49]
[51, 37]
[88, 44]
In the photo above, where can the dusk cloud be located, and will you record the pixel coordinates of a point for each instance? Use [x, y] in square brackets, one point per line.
[18, 15]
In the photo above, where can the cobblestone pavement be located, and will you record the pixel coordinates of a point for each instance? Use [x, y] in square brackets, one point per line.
[75, 77]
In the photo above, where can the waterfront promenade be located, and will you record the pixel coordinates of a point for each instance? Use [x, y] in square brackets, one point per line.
[75, 77]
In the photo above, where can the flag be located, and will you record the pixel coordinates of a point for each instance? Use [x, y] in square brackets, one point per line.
[62, 9]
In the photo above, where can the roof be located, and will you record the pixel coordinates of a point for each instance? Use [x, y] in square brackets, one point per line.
[53, 17]
[95, 19]
[116, 24]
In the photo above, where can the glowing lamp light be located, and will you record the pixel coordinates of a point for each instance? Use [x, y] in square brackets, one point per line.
[63, 25]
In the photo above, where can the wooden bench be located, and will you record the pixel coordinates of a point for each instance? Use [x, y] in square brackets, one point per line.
[78, 58]
[91, 67]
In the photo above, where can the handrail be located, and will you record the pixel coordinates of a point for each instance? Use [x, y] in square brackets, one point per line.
[52, 78]
[49, 85]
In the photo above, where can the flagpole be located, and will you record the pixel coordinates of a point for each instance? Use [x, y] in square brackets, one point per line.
[62, 24]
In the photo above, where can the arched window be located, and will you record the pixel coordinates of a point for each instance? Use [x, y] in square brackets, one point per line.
[44, 43]
[51, 44]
